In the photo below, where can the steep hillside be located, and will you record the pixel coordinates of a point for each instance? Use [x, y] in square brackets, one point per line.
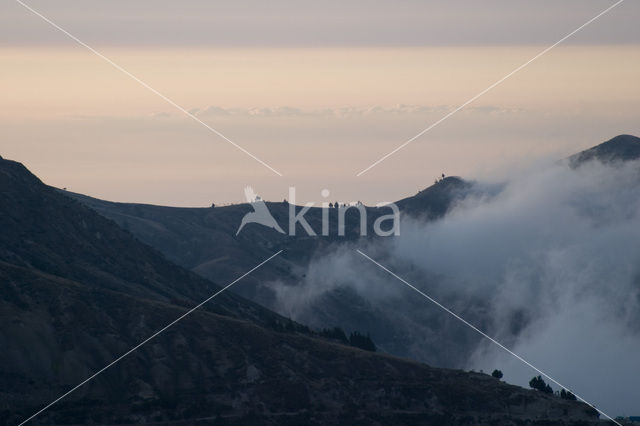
[44, 230]
[620, 148]
[77, 292]
[434, 201]
[204, 240]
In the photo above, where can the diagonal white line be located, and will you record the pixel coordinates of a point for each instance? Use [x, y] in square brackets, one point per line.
[483, 334]
[145, 85]
[489, 88]
[189, 312]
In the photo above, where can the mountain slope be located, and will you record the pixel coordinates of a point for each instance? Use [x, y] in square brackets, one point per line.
[77, 292]
[211, 366]
[619, 148]
[434, 202]
[54, 234]
[204, 239]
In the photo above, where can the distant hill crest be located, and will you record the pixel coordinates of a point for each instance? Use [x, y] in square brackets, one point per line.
[619, 148]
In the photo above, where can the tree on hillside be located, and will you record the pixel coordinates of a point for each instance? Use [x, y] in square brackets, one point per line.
[538, 383]
[567, 395]
[497, 374]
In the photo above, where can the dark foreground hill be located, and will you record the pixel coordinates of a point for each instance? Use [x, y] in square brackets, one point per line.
[77, 292]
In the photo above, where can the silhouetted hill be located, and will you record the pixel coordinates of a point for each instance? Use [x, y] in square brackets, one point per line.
[78, 291]
[204, 240]
[620, 148]
[434, 201]
[54, 234]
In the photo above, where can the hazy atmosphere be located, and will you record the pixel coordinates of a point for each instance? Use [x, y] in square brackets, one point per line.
[292, 212]
[317, 91]
[547, 261]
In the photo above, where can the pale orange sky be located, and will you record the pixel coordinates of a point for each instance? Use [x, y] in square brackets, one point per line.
[312, 94]
[58, 82]
[80, 123]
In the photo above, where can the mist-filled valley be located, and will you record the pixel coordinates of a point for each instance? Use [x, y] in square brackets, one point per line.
[98, 327]
[545, 260]
[286, 213]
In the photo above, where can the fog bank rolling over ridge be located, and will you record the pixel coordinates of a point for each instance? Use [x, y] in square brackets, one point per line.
[548, 262]
[78, 291]
[545, 259]
[255, 268]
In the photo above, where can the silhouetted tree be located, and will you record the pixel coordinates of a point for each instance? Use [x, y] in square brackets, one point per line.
[330, 205]
[538, 383]
[497, 374]
[534, 383]
[567, 395]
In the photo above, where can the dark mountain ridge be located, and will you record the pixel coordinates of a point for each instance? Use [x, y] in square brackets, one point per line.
[78, 291]
[57, 235]
[201, 239]
[619, 148]
[204, 241]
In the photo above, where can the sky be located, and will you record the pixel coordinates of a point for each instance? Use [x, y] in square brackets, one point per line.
[317, 90]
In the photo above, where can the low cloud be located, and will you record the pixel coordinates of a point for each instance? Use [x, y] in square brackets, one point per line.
[348, 111]
[548, 262]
